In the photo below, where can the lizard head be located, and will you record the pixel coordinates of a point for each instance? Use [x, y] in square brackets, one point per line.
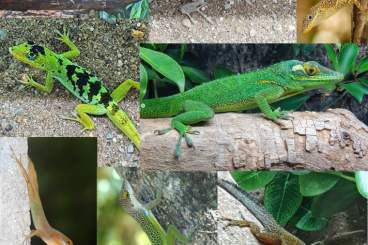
[127, 199]
[313, 18]
[57, 238]
[30, 54]
[312, 74]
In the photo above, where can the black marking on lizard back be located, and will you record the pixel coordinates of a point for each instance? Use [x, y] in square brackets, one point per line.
[105, 99]
[60, 61]
[30, 42]
[36, 49]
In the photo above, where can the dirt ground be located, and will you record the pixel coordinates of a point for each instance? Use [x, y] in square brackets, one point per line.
[234, 21]
[107, 50]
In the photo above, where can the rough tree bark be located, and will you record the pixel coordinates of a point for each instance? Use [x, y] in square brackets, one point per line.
[360, 30]
[189, 200]
[63, 4]
[15, 217]
[334, 140]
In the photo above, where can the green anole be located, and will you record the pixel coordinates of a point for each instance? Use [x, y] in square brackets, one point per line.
[43, 230]
[325, 9]
[80, 82]
[274, 234]
[143, 215]
[237, 93]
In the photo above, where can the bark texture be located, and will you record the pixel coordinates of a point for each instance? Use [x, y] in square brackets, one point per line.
[360, 30]
[189, 200]
[15, 219]
[334, 140]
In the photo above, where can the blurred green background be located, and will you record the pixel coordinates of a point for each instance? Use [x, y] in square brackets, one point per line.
[66, 171]
[114, 225]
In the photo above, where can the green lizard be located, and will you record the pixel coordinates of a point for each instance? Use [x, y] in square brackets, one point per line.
[239, 92]
[274, 234]
[143, 215]
[80, 82]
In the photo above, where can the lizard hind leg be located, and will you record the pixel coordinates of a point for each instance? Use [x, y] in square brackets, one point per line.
[33, 233]
[173, 233]
[119, 93]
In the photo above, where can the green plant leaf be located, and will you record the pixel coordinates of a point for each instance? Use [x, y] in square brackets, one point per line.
[296, 48]
[363, 65]
[336, 200]
[221, 72]
[174, 54]
[195, 75]
[136, 10]
[361, 178]
[329, 87]
[300, 172]
[307, 48]
[252, 180]
[182, 49]
[143, 81]
[332, 54]
[292, 103]
[364, 81]
[317, 183]
[164, 65]
[162, 47]
[191, 60]
[338, 46]
[282, 197]
[150, 74]
[354, 90]
[304, 220]
[347, 57]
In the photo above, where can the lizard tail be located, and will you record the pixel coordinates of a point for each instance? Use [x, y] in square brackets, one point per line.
[122, 121]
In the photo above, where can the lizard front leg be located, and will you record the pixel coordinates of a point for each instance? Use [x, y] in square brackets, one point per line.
[173, 233]
[84, 119]
[65, 39]
[48, 85]
[270, 93]
[194, 112]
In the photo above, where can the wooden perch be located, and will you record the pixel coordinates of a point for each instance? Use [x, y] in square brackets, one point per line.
[334, 140]
[24, 5]
[15, 219]
[189, 200]
[360, 30]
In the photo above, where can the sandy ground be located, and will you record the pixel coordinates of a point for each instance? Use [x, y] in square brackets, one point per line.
[107, 50]
[234, 21]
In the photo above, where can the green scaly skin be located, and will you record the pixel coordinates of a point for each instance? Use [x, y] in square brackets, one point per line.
[274, 234]
[143, 215]
[237, 93]
[80, 82]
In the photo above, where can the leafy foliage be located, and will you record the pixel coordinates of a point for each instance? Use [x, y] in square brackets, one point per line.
[137, 10]
[307, 199]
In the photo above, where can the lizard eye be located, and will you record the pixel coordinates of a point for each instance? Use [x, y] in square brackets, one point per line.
[68, 242]
[31, 57]
[310, 17]
[126, 195]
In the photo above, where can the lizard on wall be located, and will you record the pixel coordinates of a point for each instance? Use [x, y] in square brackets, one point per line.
[80, 82]
[237, 93]
[274, 234]
[325, 9]
[143, 215]
[48, 234]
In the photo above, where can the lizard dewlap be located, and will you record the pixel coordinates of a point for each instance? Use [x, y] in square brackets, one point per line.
[237, 93]
[80, 82]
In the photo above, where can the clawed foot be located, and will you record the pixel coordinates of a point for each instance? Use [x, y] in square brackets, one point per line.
[280, 114]
[76, 118]
[29, 82]
[63, 37]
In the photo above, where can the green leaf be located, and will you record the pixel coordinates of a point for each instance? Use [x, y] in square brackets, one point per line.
[183, 47]
[150, 74]
[332, 54]
[292, 103]
[336, 200]
[221, 72]
[191, 60]
[143, 81]
[174, 54]
[282, 197]
[195, 75]
[347, 57]
[162, 47]
[300, 172]
[354, 90]
[307, 49]
[296, 48]
[361, 178]
[364, 81]
[329, 87]
[363, 65]
[317, 183]
[164, 65]
[304, 220]
[338, 46]
[252, 180]
[136, 10]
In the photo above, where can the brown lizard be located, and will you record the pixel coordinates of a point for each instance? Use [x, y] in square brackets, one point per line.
[274, 234]
[194, 7]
